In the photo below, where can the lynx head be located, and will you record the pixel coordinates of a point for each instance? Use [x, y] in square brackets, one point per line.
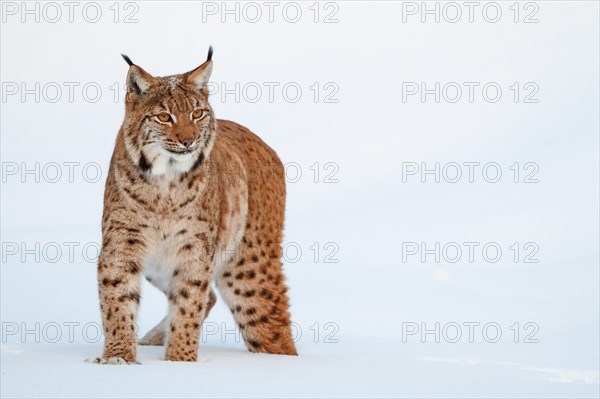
[169, 126]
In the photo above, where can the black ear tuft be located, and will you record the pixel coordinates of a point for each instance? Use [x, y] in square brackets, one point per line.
[210, 52]
[127, 60]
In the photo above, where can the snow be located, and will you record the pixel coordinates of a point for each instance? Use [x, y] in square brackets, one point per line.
[226, 372]
[372, 317]
[360, 353]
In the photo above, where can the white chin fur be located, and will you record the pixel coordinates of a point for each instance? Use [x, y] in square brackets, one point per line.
[165, 163]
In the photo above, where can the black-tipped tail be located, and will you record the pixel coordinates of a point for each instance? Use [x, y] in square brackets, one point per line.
[210, 52]
[127, 60]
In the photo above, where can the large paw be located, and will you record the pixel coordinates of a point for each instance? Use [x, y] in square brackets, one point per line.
[111, 360]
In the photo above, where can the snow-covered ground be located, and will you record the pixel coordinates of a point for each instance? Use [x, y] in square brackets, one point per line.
[378, 311]
[349, 333]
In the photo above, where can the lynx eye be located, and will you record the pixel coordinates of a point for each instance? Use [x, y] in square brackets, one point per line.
[164, 117]
[198, 114]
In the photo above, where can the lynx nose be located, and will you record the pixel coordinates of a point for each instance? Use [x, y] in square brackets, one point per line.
[187, 142]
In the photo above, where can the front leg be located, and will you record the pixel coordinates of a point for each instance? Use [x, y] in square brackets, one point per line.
[119, 279]
[188, 302]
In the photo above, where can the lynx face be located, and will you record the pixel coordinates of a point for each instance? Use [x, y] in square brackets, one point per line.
[169, 124]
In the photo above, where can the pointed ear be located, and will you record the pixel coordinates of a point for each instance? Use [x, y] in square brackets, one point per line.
[139, 82]
[199, 77]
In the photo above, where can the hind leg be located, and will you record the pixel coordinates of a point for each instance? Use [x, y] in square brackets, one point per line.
[253, 286]
[156, 336]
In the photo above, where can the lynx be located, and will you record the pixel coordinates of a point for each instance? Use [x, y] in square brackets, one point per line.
[190, 200]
